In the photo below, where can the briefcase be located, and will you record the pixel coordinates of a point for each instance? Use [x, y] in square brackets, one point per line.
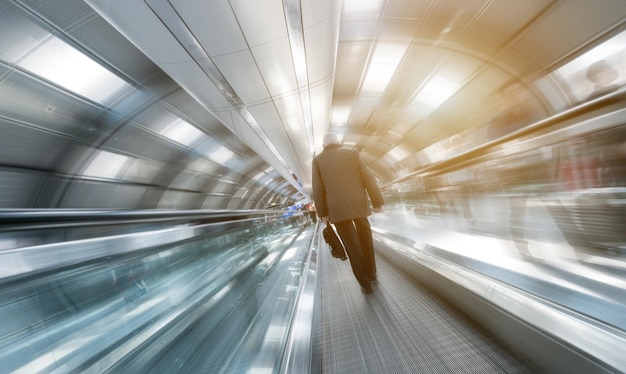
[336, 247]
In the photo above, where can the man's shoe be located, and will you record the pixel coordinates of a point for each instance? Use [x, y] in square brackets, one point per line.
[366, 288]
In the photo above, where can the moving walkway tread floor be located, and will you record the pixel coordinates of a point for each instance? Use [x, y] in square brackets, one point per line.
[401, 328]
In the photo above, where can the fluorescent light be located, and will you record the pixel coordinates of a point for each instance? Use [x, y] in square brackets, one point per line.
[434, 152]
[182, 132]
[106, 165]
[64, 65]
[383, 65]
[361, 7]
[340, 115]
[221, 155]
[436, 92]
[377, 78]
[398, 154]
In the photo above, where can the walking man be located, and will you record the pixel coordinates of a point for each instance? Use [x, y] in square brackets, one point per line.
[341, 185]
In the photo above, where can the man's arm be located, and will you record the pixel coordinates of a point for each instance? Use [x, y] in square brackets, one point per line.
[371, 186]
[319, 192]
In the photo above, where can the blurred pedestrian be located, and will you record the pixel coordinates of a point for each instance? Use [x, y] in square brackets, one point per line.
[603, 76]
[515, 112]
[341, 185]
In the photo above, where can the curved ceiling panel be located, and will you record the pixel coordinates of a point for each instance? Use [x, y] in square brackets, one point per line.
[223, 103]
[154, 147]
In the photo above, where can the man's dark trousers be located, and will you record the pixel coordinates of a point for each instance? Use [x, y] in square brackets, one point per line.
[356, 236]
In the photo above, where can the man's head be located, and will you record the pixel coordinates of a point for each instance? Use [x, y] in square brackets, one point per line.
[330, 138]
[601, 73]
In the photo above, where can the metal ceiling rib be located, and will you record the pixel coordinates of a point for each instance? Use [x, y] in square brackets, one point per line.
[230, 75]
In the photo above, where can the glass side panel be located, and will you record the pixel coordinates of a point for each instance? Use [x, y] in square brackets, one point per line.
[159, 300]
[598, 71]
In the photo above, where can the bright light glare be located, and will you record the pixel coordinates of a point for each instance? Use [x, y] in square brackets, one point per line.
[383, 65]
[221, 155]
[106, 165]
[260, 370]
[62, 64]
[436, 92]
[291, 253]
[340, 115]
[361, 7]
[398, 154]
[274, 333]
[182, 132]
[434, 152]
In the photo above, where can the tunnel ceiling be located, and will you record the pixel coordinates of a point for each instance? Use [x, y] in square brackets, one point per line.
[267, 79]
[298, 69]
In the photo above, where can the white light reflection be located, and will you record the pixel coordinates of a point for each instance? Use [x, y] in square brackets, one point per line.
[306, 302]
[398, 153]
[434, 152]
[270, 258]
[7, 244]
[48, 359]
[221, 155]
[274, 334]
[302, 330]
[436, 92]
[361, 7]
[261, 370]
[106, 165]
[340, 115]
[182, 132]
[382, 66]
[64, 65]
[289, 254]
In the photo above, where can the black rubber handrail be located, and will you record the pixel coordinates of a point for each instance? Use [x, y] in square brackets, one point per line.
[26, 219]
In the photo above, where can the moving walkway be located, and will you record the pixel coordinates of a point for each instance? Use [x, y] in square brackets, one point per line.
[257, 292]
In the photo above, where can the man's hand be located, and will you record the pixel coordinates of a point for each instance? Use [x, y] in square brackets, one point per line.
[378, 209]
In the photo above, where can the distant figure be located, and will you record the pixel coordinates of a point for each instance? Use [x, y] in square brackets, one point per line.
[341, 185]
[462, 182]
[312, 213]
[603, 76]
[129, 280]
[514, 114]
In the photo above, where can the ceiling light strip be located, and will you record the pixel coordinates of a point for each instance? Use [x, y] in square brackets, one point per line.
[171, 19]
[295, 30]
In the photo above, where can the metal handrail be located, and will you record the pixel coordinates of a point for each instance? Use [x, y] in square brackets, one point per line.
[463, 158]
